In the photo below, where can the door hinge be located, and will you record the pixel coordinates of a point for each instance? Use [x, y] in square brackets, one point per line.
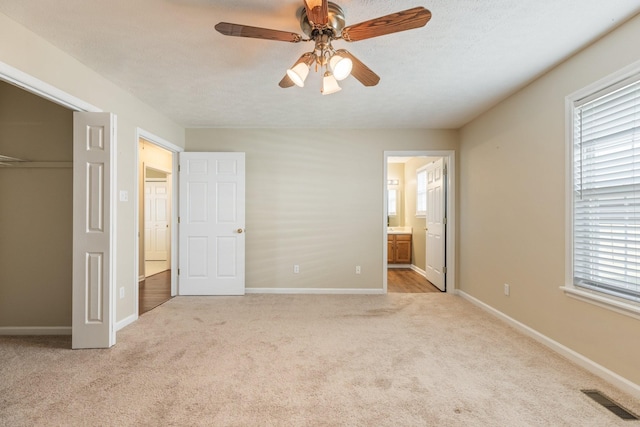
[444, 170]
[178, 272]
[178, 220]
[444, 220]
[444, 270]
[178, 168]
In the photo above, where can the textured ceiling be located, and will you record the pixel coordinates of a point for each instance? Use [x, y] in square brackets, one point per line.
[468, 57]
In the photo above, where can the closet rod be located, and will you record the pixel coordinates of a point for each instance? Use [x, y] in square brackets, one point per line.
[26, 164]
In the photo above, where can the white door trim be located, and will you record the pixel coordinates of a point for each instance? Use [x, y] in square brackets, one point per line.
[174, 149]
[450, 160]
[44, 90]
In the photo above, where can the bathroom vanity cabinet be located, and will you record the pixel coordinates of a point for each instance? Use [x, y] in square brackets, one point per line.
[399, 248]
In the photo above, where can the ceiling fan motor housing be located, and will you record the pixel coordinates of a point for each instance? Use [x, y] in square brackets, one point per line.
[334, 25]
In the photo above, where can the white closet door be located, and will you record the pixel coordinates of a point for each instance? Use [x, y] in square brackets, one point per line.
[93, 230]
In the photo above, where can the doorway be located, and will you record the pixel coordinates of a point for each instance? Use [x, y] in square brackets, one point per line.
[419, 218]
[156, 223]
[100, 304]
[36, 213]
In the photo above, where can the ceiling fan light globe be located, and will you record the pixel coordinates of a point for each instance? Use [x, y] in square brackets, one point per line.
[329, 84]
[298, 74]
[340, 66]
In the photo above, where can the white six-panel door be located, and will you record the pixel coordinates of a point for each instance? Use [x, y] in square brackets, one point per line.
[435, 241]
[156, 220]
[93, 230]
[211, 224]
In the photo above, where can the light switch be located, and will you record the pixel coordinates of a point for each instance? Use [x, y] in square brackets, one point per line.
[124, 196]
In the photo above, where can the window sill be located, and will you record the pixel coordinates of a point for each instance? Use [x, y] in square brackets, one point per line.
[609, 303]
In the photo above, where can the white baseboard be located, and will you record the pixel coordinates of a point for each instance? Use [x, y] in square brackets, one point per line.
[419, 271]
[399, 266]
[315, 291]
[577, 358]
[35, 330]
[126, 321]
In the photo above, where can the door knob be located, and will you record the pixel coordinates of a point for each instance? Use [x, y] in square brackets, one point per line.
[240, 230]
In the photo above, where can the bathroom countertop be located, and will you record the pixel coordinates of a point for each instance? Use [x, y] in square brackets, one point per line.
[399, 230]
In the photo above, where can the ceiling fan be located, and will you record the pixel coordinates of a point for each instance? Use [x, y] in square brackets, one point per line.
[323, 22]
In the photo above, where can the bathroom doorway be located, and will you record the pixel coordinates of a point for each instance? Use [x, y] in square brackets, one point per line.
[408, 281]
[418, 221]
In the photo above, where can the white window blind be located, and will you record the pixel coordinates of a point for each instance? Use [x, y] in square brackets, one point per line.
[606, 191]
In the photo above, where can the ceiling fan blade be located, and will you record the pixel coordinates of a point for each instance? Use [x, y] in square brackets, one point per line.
[286, 82]
[388, 24]
[237, 30]
[360, 71]
[317, 11]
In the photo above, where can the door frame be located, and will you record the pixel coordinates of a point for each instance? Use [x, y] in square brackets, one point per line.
[44, 90]
[449, 157]
[174, 150]
[51, 93]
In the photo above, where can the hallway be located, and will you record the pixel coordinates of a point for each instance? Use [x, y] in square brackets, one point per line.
[405, 280]
[153, 291]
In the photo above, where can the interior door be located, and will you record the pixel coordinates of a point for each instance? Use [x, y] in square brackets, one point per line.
[93, 312]
[435, 237]
[211, 224]
[156, 220]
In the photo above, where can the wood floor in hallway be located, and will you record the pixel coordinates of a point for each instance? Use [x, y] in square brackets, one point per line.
[156, 290]
[153, 291]
[405, 280]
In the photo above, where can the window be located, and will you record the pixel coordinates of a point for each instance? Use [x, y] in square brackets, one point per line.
[606, 191]
[392, 199]
[421, 192]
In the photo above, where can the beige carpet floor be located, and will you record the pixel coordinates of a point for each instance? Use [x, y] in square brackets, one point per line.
[302, 360]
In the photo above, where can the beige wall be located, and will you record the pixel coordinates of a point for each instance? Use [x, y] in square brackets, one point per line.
[35, 211]
[316, 201]
[38, 58]
[512, 210]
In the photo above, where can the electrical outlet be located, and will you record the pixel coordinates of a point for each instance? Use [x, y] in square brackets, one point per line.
[122, 292]
[358, 270]
[507, 289]
[296, 269]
